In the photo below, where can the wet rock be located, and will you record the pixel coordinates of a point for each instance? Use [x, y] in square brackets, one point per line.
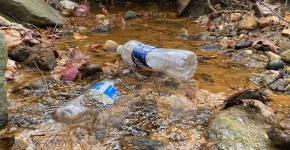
[34, 12]
[287, 88]
[110, 45]
[212, 39]
[278, 85]
[130, 15]
[203, 36]
[238, 128]
[279, 134]
[145, 143]
[143, 112]
[244, 32]
[91, 70]
[247, 23]
[66, 4]
[243, 45]
[101, 29]
[100, 17]
[273, 56]
[3, 95]
[34, 88]
[275, 65]
[209, 47]
[267, 79]
[20, 53]
[285, 56]
[45, 60]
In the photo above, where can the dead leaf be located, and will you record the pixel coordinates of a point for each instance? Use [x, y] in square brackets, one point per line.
[265, 42]
[12, 37]
[285, 32]
[266, 11]
[286, 17]
[95, 45]
[79, 36]
[235, 16]
[226, 43]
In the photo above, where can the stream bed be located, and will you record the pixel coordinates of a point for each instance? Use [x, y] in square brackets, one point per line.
[157, 113]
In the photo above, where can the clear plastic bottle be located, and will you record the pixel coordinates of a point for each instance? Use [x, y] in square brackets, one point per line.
[178, 64]
[82, 10]
[84, 107]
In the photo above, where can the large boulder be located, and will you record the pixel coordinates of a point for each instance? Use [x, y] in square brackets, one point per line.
[239, 128]
[3, 96]
[35, 12]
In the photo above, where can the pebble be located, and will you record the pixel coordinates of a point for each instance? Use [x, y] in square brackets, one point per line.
[249, 52]
[110, 45]
[275, 65]
[273, 56]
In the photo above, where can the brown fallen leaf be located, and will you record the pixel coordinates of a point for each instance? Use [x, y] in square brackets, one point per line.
[285, 32]
[226, 43]
[79, 36]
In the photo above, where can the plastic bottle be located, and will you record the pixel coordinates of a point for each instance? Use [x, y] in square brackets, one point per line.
[84, 107]
[178, 64]
[82, 10]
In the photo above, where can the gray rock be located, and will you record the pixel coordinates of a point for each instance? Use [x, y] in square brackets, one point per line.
[267, 79]
[20, 53]
[278, 85]
[203, 36]
[239, 128]
[285, 56]
[130, 15]
[101, 29]
[275, 65]
[45, 60]
[3, 95]
[35, 12]
[66, 4]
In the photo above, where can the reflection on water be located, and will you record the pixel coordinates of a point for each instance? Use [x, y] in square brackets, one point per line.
[158, 113]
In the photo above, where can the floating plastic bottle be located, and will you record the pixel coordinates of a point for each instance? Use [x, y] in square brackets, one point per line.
[82, 10]
[82, 108]
[178, 64]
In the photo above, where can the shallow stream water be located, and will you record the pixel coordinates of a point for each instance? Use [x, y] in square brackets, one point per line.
[159, 113]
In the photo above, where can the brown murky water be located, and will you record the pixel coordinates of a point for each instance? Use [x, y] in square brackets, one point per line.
[144, 117]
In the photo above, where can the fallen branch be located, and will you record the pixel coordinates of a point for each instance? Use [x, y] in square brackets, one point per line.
[43, 77]
[228, 11]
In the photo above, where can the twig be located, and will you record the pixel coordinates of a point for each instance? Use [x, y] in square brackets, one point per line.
[273, 11]
[160, 39]
[228, 11]
[43, 78]
[54, 28]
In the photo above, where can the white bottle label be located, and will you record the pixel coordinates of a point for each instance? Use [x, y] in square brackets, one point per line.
[139, 54]
[104, 92]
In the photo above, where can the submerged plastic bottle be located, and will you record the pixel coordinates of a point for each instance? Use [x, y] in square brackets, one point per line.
[83, 10]
[178, 64]
[84, 107]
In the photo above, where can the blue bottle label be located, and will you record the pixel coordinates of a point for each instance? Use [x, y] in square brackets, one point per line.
[106, 88]
[139, 54]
